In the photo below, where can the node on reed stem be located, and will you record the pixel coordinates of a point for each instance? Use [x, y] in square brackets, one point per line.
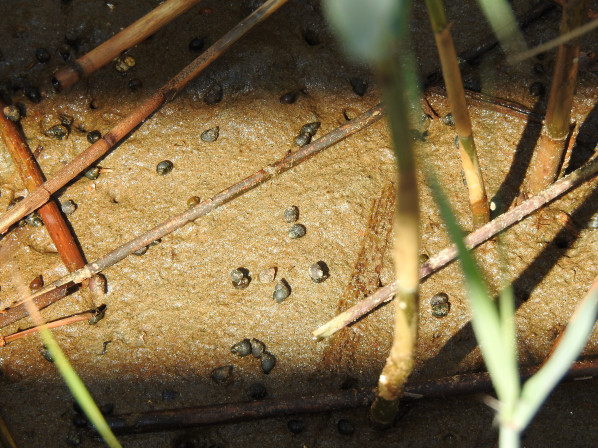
[478, 200]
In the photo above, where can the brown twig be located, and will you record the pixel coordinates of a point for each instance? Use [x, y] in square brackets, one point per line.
[465, 384]
[165, 94]
[473, 240]
[553, 140]
[4, 340]
[11, 315]
[33, 177]
[127, 38]
[205, 207]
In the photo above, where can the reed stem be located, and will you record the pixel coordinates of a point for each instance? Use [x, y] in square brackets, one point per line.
[553, 140]
[478, 200]
[127, 38]
[399, 363]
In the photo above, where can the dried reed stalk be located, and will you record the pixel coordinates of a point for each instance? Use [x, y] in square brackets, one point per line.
[478, 200]
[553, 141]
[127, 38]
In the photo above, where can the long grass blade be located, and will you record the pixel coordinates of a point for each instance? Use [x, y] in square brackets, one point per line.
[78, 389]
[486, 322]
[72, 380]
[539, 386]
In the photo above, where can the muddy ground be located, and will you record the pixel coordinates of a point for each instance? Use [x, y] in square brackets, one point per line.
[173, 314]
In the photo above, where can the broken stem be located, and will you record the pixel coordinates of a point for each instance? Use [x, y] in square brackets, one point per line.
[473, 240]
[4, 340]
[166, 93]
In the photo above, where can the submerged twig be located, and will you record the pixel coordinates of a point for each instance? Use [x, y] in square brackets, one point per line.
[473, 240]
[165, 94]
[173, 419]
[127, 38]
[203, 208]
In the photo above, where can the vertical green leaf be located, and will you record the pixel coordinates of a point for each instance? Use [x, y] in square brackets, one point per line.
[539, 386]
[78, 389]
[489, 328]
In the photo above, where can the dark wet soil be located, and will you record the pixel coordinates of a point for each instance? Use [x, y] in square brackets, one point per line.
[173, 314]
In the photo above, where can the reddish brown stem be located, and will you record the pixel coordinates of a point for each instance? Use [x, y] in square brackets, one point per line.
[33, 177]
[470, 383]
[166, 93]
[4, 340]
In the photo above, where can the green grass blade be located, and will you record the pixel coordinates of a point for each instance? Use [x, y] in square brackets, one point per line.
[78, 389]
[353, 19]
[487, 326]
[503, 23]
[538, 387]
[506, 308]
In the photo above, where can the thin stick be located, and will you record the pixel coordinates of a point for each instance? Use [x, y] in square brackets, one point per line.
[494, 103]
[166, 93]
[577, 32]
[205, 207]
[173, 419]
[4, 340]
[473, 240]
[127, 38]
[33, 177]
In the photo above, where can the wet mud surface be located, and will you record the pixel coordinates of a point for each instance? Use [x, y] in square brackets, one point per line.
[173, 313]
